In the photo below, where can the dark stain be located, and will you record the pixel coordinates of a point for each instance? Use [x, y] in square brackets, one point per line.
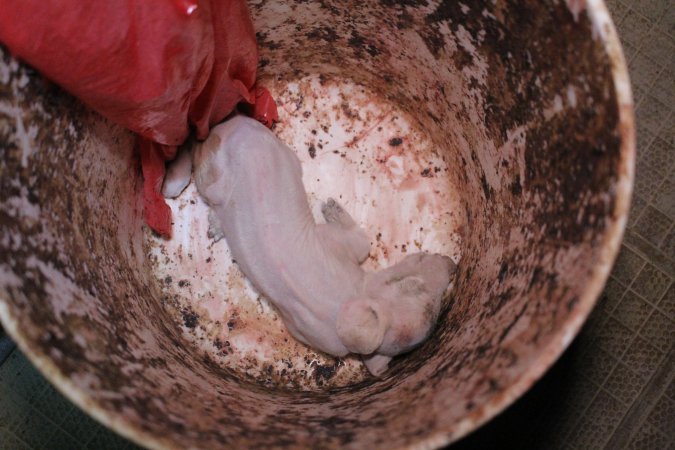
[511, 324]
[263, 41]
[395, 142]
[403, 3]
[497, 303]
[341, 423]
[359, 43]
[326, 33]
[493, 385]
[571, 303]
[190, 318]
[461, 58]
[538, 276]
[348, 111]
[482, 349]
[503, 270]
[516, 188]
[405, 21]
[323, 373]
[486, 187]
[312, 151]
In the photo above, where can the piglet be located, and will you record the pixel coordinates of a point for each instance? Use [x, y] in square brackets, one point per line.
[311, 272]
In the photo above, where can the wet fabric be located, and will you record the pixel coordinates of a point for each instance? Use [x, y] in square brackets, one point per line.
[157, 67]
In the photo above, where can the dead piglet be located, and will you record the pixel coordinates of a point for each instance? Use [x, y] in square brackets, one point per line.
[311, 272]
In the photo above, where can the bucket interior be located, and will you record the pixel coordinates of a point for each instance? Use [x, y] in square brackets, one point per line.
[491, 133]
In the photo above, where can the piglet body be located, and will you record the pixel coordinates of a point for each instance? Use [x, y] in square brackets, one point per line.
[311, 272]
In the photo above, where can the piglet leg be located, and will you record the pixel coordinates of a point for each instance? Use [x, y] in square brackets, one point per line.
[178, 175]
[343, 229]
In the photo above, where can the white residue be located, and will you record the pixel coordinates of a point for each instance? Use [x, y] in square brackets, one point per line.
[8, 278]
[396, 167]
[571, 96]
[21, 207]
[26, 137]
[576, 7]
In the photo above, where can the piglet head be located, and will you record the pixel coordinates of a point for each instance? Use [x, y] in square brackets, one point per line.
[404, 301]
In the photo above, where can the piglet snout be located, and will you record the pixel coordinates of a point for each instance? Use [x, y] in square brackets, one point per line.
[361, 325]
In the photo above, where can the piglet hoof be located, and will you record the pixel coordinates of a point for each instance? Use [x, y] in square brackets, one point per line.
[333, 212]
[215, 231]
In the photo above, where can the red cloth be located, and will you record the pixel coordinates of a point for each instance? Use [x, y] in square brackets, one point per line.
[156, 67]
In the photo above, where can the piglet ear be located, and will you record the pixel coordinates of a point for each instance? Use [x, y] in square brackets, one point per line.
[361, 326]
[411, 285]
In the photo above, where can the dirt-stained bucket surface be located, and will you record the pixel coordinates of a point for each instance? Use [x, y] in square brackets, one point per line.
[498, 133]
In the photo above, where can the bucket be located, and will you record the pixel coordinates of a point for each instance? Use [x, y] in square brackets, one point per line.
[498, 133]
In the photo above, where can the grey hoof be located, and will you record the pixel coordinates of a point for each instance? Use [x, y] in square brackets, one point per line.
[215, 231]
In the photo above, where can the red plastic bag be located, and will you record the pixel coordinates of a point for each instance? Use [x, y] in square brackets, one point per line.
[157, 67]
